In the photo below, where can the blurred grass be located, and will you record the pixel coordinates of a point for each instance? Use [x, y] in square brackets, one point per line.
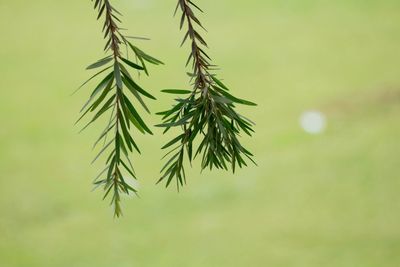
[327, 200]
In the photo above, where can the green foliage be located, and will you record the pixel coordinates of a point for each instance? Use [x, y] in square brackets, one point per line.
[207, 113]
[110, 98]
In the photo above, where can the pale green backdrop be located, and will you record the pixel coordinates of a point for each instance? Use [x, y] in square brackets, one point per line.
[330, 200]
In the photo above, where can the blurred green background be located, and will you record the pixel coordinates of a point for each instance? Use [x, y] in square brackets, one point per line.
[314, 200]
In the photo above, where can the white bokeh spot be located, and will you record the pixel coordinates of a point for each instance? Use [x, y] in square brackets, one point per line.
[313, 121]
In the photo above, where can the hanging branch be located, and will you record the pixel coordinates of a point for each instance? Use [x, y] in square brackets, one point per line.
[206, 112]
[110, 97]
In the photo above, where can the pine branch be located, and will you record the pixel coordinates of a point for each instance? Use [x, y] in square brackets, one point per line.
[110, 96]
[206, 113]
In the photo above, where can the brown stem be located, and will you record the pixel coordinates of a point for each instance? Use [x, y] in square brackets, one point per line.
[199, 68]
[114, 46]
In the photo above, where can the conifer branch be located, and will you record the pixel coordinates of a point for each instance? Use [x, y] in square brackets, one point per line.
[110, 97]
[206, 113]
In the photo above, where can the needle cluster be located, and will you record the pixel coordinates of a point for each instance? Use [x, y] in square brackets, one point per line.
[206, 114]
[112, 97]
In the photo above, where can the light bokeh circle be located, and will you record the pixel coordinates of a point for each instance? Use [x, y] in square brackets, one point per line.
[313, 121]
